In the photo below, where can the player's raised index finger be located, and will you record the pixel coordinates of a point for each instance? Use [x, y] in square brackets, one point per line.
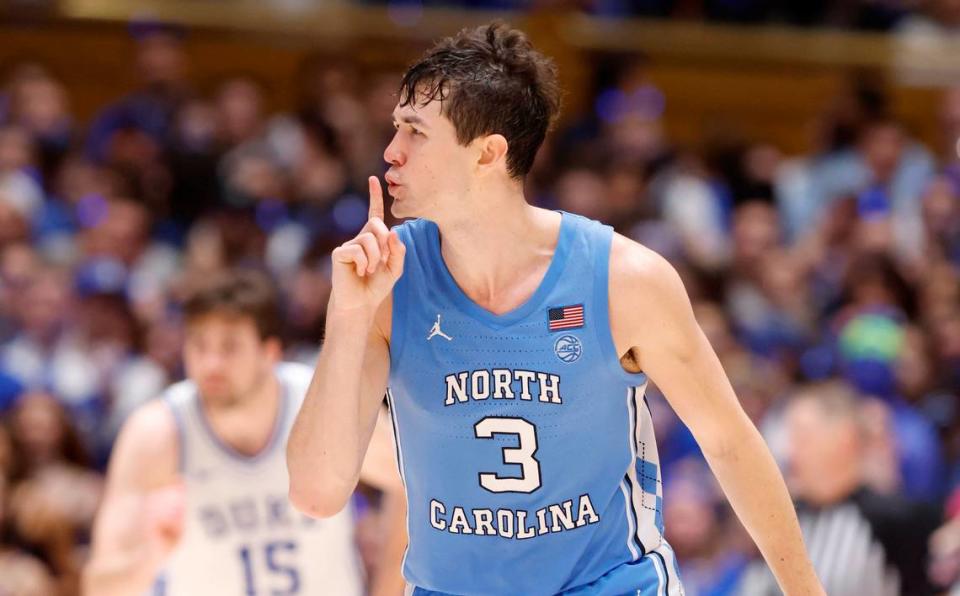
[376, 198]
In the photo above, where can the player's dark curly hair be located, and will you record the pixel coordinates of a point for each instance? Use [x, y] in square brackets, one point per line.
[489, 80]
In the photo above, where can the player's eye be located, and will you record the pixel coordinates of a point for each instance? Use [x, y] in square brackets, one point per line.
[415, 132]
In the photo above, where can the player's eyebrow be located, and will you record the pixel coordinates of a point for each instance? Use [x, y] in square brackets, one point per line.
[411, 119]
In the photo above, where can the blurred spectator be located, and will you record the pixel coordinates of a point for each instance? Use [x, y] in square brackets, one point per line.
[698, 531]
[42, 353]
[21, 193]
[20, 573]
[869, 335]
[941, 221]
[38, 104]
[885, 170]
[939, 18]
[53, 504]
[766, 292]
[141, 120]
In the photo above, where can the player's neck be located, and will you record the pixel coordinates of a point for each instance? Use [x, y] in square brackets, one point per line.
[499, 251]
[247, 424]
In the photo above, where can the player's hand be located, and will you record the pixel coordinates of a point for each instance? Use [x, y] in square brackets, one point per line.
[164, 513]
[366, 268]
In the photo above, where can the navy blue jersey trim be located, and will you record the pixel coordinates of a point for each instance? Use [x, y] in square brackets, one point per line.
[275, 436]
[636, 518]
[181, 434]
[666, 571]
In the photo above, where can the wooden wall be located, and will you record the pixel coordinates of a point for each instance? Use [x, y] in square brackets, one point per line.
[767, 83]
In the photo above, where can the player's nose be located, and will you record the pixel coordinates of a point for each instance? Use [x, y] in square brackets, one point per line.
[393, 154]
[212, 362]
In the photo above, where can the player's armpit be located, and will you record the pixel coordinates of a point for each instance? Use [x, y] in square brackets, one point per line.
[141, 516]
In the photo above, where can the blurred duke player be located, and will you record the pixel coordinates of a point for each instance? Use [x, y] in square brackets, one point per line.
[196, 499]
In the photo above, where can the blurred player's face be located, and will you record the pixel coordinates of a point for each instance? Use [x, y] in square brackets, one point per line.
[429, 169]
[226, 357]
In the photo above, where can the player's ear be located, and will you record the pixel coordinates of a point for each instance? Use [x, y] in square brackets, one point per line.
[493, 150]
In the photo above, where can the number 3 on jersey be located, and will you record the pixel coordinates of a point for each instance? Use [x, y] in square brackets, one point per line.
[522, 455]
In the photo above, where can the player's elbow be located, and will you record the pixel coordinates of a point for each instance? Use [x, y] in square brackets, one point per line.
[727, 442]
[318, 487]
[316, 500]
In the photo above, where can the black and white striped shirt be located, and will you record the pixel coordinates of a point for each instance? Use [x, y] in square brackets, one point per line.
[865, 544]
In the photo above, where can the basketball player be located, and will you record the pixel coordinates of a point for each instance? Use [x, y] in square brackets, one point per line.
[525, 441]
[196, 500]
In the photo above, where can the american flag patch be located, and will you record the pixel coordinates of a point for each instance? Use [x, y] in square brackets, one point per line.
[565, 317]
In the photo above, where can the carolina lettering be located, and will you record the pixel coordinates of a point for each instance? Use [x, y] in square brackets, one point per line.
[515, 524]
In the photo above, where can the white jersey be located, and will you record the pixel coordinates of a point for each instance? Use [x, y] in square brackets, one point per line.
[242, 536]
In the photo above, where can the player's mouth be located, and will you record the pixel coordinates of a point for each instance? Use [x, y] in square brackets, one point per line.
[214, 384]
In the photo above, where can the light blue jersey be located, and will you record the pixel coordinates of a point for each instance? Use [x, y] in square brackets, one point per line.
[527, 451]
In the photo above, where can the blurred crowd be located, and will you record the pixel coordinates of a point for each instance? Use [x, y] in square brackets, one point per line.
[839, 267]
[900, 16]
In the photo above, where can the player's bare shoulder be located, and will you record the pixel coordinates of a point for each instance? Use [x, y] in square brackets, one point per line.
[646, 292]
[147, 450]
[628, 255]
[634, 267]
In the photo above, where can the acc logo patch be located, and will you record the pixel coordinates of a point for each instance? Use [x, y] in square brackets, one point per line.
[568, 348]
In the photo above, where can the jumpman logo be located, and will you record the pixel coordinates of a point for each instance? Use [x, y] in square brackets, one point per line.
[435, 330]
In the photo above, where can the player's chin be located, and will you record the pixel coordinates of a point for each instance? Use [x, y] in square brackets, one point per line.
[401, 208]
[216, 394]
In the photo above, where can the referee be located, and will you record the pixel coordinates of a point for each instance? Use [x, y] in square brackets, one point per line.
[861, 542]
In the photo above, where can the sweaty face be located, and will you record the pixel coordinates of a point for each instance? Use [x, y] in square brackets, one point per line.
[429, 169]
[226, 358]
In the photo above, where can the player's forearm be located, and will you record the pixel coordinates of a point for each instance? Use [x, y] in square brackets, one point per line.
[329, 438]
[754, 486]
[118, 575]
